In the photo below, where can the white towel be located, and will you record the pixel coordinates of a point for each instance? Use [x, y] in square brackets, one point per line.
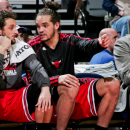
[17, 53]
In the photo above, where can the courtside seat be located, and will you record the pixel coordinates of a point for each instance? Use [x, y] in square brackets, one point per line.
[120, 118]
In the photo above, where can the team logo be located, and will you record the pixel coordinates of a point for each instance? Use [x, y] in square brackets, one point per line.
[6, 59]
[9, 72]
[43, 48]
[56, 63]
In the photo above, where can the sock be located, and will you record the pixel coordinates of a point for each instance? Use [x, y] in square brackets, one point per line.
[100, 128]
[43, 126]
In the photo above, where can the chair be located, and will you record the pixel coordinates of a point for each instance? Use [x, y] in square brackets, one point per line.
[92, 17]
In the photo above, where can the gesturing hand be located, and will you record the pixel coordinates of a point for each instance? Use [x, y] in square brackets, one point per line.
[104, 40]
[44, 100]
[5, 43]
[68, 80]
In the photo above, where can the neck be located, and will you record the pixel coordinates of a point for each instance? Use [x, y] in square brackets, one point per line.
[53, 41]
[110, 50]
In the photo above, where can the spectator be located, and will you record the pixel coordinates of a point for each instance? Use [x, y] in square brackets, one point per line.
[106, 55]
[57, 53]
[122, 59]
[18, 103]
[21, 31]
[121, 10]
[78, 6]
[71, 6]
[4, 5]
[28, 35]
[24, 33]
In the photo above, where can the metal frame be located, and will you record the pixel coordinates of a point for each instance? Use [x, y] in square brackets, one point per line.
[83, 20]
[84, 23]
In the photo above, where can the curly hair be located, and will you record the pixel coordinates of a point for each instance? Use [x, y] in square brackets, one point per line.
[4, 15]
[51, 9]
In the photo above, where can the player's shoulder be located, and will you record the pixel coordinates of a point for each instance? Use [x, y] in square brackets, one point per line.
[34, 41]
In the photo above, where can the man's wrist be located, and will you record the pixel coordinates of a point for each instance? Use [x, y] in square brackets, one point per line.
[2, 51]
[43, 87]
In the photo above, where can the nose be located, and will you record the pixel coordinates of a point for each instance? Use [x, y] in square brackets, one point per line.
[41, 29]
[10, 9]
[15, 31]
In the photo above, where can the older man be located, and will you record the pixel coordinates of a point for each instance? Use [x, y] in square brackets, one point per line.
[4, 5]
[106, 55]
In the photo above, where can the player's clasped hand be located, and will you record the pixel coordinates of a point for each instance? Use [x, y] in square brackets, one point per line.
[104, 40]
[68, 80]
[44, 100]
[5, 43]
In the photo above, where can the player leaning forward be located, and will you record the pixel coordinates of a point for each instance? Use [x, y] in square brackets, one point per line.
[18, 103]
[57, 53]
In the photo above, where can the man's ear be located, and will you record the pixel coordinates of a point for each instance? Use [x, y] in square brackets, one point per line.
[57, 25]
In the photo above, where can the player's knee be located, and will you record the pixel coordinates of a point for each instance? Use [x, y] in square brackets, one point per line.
[70, 93]
[73, 92]
[114, 87]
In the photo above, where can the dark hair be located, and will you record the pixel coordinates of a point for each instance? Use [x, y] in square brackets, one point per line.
[29, 31]
[51, 9]
[4, 15]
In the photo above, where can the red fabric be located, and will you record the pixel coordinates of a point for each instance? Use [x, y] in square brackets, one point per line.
[13, 105]
[54, 81]
[56, 64]
[83, 109]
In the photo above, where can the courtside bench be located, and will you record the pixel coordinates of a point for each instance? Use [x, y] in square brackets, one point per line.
[119, 119]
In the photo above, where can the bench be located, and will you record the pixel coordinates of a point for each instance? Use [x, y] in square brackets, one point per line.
[119, 119]
[86, 123]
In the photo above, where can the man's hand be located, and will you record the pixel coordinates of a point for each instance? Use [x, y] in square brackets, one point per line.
[44, 100]
[68, 80]
[5, 43]
[104, 40]
[121, 12]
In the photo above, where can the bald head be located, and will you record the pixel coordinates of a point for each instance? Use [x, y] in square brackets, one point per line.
[112, 35]
[4, 5]
[3, 0]
[106, 31]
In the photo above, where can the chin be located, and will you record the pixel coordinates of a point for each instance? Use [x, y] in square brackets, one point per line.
[43, 39]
